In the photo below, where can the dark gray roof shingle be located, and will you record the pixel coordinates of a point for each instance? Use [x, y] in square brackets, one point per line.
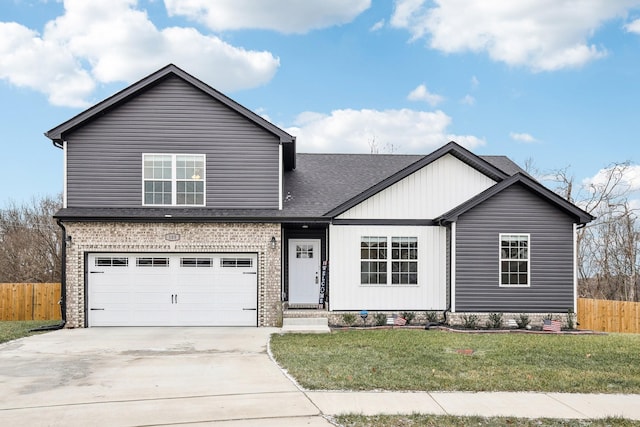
[320, 183]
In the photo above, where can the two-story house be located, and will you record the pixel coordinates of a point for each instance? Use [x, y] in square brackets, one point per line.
[182, 207]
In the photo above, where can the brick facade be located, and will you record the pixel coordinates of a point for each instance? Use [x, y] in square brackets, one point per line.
[89, 237]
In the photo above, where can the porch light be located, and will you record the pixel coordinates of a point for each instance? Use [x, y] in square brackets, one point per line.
[273, 242]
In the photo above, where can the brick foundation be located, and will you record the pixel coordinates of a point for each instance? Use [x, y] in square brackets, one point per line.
[89, 237]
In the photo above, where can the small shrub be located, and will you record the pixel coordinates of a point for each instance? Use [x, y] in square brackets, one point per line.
[470, 321]
[408, 316]
[348, 319]
[523, 321]
[432, 316]
[380, 319]
[494, 321]
[571, 318]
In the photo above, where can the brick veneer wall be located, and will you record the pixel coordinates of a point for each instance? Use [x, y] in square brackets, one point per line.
[193, 237]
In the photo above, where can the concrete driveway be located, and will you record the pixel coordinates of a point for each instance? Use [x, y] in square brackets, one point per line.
[148, 376]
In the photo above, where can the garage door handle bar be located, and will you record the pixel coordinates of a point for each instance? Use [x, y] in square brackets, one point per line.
[96, 309]
[250, 309]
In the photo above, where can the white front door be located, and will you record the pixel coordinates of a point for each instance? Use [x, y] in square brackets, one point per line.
[304, 272]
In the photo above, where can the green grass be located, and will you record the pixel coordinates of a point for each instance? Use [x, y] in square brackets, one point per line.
[452, 421]
[12, 330]
[395, 359]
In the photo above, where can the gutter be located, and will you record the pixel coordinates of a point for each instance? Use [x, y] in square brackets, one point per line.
[63, 285]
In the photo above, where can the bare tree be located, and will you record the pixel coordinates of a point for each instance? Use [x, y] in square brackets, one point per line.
[30, 241]
[387, 148]
[608, 247]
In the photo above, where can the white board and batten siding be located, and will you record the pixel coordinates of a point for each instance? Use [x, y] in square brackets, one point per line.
[429, 192]
[347, 293]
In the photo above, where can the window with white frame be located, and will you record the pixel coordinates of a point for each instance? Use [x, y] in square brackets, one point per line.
[373, 260]
[514, 259]
[378, 266]
[404, 260]
[173, 179]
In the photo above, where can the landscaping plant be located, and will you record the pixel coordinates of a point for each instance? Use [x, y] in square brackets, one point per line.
[408, 316]
[348, 319]
[494, 321]
[380, 319]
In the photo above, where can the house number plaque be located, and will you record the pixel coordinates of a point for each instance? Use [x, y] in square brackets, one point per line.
[172, 237]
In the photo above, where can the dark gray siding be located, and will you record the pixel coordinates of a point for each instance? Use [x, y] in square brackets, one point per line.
[514, 210]
[104, 158]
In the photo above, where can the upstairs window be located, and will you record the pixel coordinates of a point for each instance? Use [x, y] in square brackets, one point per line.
[514, 260]
[173, 179]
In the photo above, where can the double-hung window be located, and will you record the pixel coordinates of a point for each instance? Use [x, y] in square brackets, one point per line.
[173, 179]
[514, 259]
[373, 260]
[379, 266]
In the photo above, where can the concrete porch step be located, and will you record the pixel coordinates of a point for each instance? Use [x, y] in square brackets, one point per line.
[305, 324]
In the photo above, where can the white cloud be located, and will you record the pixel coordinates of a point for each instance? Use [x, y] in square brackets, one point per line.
[377, 26]
[26, 60]
[522, 137]
[629, 177]
[474, 82]
[102, 42]
[468, 100]
[421, 93]
[285, 16]
[544, 35]
[633, 27]
[350, 130]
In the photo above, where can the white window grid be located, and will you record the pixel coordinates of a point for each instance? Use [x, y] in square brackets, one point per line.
[173, 179]
[514, 255]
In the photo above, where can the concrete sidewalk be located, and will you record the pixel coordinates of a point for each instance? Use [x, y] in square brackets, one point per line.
[498, 404]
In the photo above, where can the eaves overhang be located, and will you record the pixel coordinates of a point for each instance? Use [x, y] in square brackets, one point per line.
[176, 215]
[57, 134]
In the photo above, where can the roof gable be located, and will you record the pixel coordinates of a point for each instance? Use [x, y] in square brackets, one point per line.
[57, 134]
[452, 148]
[582, 216]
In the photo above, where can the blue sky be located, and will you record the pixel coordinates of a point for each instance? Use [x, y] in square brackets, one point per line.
[553, 81]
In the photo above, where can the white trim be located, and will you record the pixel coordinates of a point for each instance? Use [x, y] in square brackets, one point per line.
[280, 181]
[64, 174]
[575, 269]
[174, 179]
[528, 260]
[453, 267]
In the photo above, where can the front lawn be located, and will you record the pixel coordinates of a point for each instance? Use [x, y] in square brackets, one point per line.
[12, 330]
[397, 359]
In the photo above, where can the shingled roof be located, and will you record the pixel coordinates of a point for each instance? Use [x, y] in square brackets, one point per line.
[319, 184]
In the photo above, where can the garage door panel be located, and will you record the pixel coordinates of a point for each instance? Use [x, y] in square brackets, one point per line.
[172, 289]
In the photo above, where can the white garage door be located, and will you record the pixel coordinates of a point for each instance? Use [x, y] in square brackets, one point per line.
[161, 289]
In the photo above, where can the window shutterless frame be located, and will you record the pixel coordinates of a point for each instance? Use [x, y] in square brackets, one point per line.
[394, 265]
[514, 252]
[173, 179]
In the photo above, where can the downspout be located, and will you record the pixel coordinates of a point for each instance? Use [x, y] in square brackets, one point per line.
[448, 309]
[63, 270]
[63, 285]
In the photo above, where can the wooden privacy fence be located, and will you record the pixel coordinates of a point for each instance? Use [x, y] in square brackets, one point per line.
[609, 316]
[30, 301]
